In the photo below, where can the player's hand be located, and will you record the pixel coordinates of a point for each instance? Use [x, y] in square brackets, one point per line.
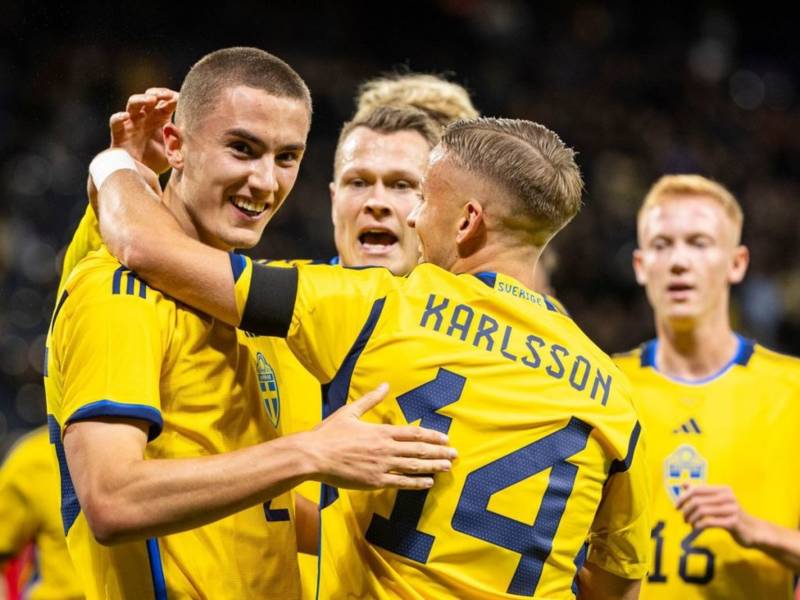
[705, 506]
[351, 453]
[139, 128]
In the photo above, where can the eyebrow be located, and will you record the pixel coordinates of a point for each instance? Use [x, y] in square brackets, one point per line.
[251, 137]
[392, 173]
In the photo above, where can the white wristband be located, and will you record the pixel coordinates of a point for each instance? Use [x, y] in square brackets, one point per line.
[105, 163]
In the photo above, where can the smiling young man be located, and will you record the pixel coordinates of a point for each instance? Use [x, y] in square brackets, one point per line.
[721, 411]
[544, 422]
[174, 483]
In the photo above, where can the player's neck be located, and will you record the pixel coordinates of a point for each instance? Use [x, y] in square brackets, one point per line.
[698, 351]
[172, 199]
[516, 262]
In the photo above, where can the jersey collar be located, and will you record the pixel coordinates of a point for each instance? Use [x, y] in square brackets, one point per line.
[741, 357]
[492, 278]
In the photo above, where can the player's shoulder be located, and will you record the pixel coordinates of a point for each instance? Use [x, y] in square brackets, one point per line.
[633, 359]
[33, 447]
[778, 365]
[99, 276]
[288, 263]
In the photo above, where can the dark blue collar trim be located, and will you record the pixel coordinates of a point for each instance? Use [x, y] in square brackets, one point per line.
[742, 358]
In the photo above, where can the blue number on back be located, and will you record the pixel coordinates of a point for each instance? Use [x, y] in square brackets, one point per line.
[535, 541]
[399, 532]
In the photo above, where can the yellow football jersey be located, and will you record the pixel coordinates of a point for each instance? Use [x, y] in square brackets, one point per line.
[550, 456]
[737, 428]
[119, 348]
[85, 239]
[29, 487]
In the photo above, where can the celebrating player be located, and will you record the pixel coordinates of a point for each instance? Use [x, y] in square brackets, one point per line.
[547, 433]
[161, 415]
[721, 411]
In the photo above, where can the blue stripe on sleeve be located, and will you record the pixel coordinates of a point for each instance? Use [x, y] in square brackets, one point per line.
[70, 506]
[238, 264]
[109, 408]
[619, 466]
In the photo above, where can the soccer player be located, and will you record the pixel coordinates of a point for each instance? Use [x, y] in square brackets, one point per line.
[29, 488]
[721, 411]
[549, 445]
[385, 151]
[173, 481]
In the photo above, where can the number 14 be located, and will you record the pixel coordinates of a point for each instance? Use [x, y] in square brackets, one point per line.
[399, 533]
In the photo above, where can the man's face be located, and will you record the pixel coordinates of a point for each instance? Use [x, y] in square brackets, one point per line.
[240, 162]
[688, 258]
[436, 216]
[377, 185]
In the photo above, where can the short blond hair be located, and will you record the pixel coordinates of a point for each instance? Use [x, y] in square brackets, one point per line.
[528, 161]
[670, 186]
[442, 100]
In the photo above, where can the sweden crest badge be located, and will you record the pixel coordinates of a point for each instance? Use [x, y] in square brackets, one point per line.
[685, 465]
[268, 384]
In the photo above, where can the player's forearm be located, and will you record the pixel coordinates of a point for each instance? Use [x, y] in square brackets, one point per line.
[781, 543]
[143, 235]
[147, 498]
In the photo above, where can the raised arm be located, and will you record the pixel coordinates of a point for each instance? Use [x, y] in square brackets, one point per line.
[146, 238]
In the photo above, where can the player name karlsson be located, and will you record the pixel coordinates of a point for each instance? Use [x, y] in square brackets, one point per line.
[464, 323]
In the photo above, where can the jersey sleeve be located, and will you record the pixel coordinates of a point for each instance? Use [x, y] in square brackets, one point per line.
[319, 309]
[19, 519]
[110, 345]
[334, 307]
[85, 240]
[619, 541]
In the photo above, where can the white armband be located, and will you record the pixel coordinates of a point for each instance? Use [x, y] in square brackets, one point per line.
[106, 163]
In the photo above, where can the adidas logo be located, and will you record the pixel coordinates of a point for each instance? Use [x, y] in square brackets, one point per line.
[690, 426]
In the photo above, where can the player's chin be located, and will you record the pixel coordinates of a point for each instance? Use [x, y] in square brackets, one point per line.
[243, 239]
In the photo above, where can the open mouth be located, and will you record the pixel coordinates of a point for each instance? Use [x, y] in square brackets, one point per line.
[251, 208]
[377, 239]
[679, 292]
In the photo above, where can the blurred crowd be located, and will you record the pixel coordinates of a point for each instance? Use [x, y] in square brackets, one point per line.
[637, 91]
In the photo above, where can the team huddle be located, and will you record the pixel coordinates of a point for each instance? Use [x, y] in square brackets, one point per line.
[418, 418]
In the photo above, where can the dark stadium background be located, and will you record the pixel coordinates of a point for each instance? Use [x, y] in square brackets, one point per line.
[638, 90]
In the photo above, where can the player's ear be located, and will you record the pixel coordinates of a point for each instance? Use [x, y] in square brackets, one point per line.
[638, 269]
[173, 145]
[471, 227]
[332, 190]
[738, 268]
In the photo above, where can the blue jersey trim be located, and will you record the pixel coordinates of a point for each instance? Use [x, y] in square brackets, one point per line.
[61, 300]
[336, 391]
[335, 260]
[580, 559]
[238, 264]
[487, 277]
[70, 506]
[490, 279]
[619, 466]
[741, 357]
[156, 569]
[109, 408]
